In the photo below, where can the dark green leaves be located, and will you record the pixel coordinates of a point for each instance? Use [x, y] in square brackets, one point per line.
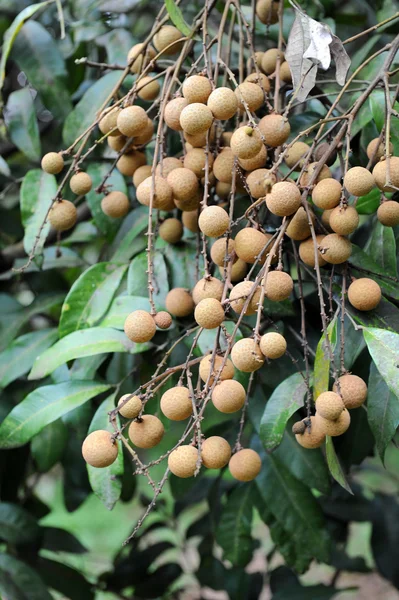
[382, 410]
[234, 530]
[335, 466]
[323, 359]
[382, 247]
[121, 307]
[137, 284]
[20, 118]
[19, 582]
[48, 446]
[17, 526]
[384, 349]
[368, 205]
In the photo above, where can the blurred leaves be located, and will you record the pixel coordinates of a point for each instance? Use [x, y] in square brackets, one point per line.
[234, 530]
[382, 410]
[20, 118]
[384, 349]
[17, 577]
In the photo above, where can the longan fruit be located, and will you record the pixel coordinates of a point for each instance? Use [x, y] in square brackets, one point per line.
[141, 173]
[108, 122]
[260, 182]
[275, 129]
[380, 173]
[359, 181]
[223, 167]
[221, 249]
[228, 396]
[239, 295]
[99, 449]
[257, 58]
[140, 326]
[327, 193]
[269, 60]
[129, 162]
[163, 320]
[173, 110]
[279, 286]
[298, 228]
[250, 242]
[183, 461]
[131, 120]
[117, 142]
[179, 302]
[146, 134]
[329, 405]
[171, 231]
[337, 427]
[162, 196]
[223, 190]
[196, 88]
[205, 368]
[251, 94]
[295, 157]
[245, 465]
[131, 409]
[260, 79]
[307, 252]
[257, 162]
[137, 51]
[195, 160]
[209, 313]
[364, 294]
[285, 72]
[325, 218]
[246, 142]
[321, 150]
[344, 220]
[246, 355]
[267, 11]
[198, 140]
[167, 165]
[62, 215]
[207, 288]
[176, 403]
[192, 203]
[335, 248]
[146, 432]
[213, 221]
[238, 270]
[273, 345]
[148, 88]
[115, 204]
[376, 149]
[165, 36]
[196, 118]
[80, 183]
[52, 163]
[190, 220]
[306, 176]
[353, 390]
[284, 199]
[313, 436]
[215, 452]
[388, 213]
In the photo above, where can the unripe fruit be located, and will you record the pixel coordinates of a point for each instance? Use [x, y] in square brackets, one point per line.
[115, 204]
[128, 163]
[259, 79]
[223, 167]
[272, 345]
[284, 199]
[352, 389]
[179, 302]
[238, 270]
[245, 465]
[298, 228]
[325, 173]
[364, 294]
[141, 173]
[165, 36]
[260, 182]
[196, 118]
[335, 248]
[329, 405]
[228, 396]
[108, 122]
[246, 142]
[344, 220]
[147, 432]
[376, 149]
[148, 88]
[223, 103]
[176, 403]
[321, 150]
[190, 220]
[195, 161]
[257, 162]
[196, 89]
[246, 355]
[221, 250]
[173, 110]
[250, 94]
[131, 409]
[239, 295]
[279, 286]
[250, 242]
[388, 213]
[337, 427]
[183, 461]
[62, 215]
[307, 252]
[380, 174]
[215, 452]
[140, 53]
[213, 221]
[207, 288]
[359, 181]
[267, 11]
[171, 231]
[99, 449]
[162, 196]
[209, 313]
[217, 361]
[327, 193]
[275, 129]
[163, 320]
[131, 120]
[80, 183]
[167, 165]
[52, 163]
[295, 157]
[313, 436]
[269, 60]
[140, 326]
[285, 72]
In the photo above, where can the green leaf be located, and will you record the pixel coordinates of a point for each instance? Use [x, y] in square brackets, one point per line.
[121, 307]
[18, 581]
[384, 349]
[17, 526]
[335, 466]
[377, 107]
[19, 357]
[382, 247]
[322, 360]
[363, 260]
[177, 18]
[43, 406]
[68, 581]
[106, 483]
[386, 316]
[382, 411]
[233, 533]
[137, 284]
[130, 240]
[48, 446]
[117, 44]
[97, 171]
[20, 118]
[180, 260]
[90, 297]
[286, 399]
[368, 205]
[363, 117]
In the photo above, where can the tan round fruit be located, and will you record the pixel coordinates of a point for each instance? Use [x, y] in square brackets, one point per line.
[320, 152]
[80, 183]
[388, 213]
[140, 326]
[196, 88]
[223, 103]
[207, 288]
[250, 94]
[213, 221]
[223, 167]
[206, 363]
[239, 295]
[246, 355]
[259, 79]
[118, 142]
[325, 218]
[168, 34]
[128, 163]
[176, 403]
[183, 461]
[344, 220]
[295, 157]
[245, 465]
[132, 120]
[173, 110]
[137, 54]
[275, 129]
[284, 199]
[376, 149]
[285, 72]
[209, 313]
[337, 427]
[228, 396]
[163, 320]
[100, 449]
[148, 88]
[250, 243]
[225, 138]
[62, 215]
[52, 163]
[335, 248]
[246, 142]
[221, 250]
[190, 220]
[195, 160]
[215, 452]
[364, 294]
[257, 58]
[162, 193]
[257, 162]
[269, 60]
[108, 122]
[146, 135]
[298, 228]
[260, 182]
[167, 165]
[179, 302]
[198, 140]
[196, 118]
[267, 11]
[223, 190]
[171, 231]
[129, 406]
[380, 174]
[115, 204]
[273, 345]
[141, 173]
[313, 436]
[146, 432]
[307, 252]
[329, 405]
[359, 181]
[327, 193]
[352, 389]
[307, 175]
[238, 270]
[279, 286]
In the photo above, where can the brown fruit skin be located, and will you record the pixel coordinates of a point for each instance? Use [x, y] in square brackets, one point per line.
[80, 183]
[325, 218]
[257, 162]
[246, 142]
[129, 162]
[246, 355]
[145, 135]
[238, 270]
[115, 204]
[196, 118]
[196, 88]
[198, 140]
[179, 303]
[147, 432]
[140, 326]
[207, 288]
[269, 60]
[205, 369]
[388, 213]
[285, 72]
[167, 165]
[327, 193]
[260, 79]
[195, 161]
[294, 158]
[279, 286]
[171, 231]
[379, 174]
[337, 249]
[62, 215]
[220, 250]
[250, 94]
[307, 253]
[364, 294]
[176, 404]
[329, 405]
[337, 427]
[267, 11]
[249, 243]
[183, 461]
[131, 120]
[273, 345]
[190, 204]
[162, 197]
[352, 389]
[132, 408]
[163, 320]
[215, 452]
[376, 149]
[313, 437]
[298, 427]
[298, 228]
[117, 142]
[321, 150]
[190, 220]
[173, 110]
[148, 88]
[344, 220]
[228, 396]
[284, 199]
[209, 313]
[325, 173]
[245, 465]
[223, 166]
[52, 163]
[359, 181]
[260, 182]
[108, 122]
[99, 450]
[223, 103]
[140, 174]
[239, 295]
[213, 221]
[137, 50]
[184, 183]
[275, 129]
[165, 36]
